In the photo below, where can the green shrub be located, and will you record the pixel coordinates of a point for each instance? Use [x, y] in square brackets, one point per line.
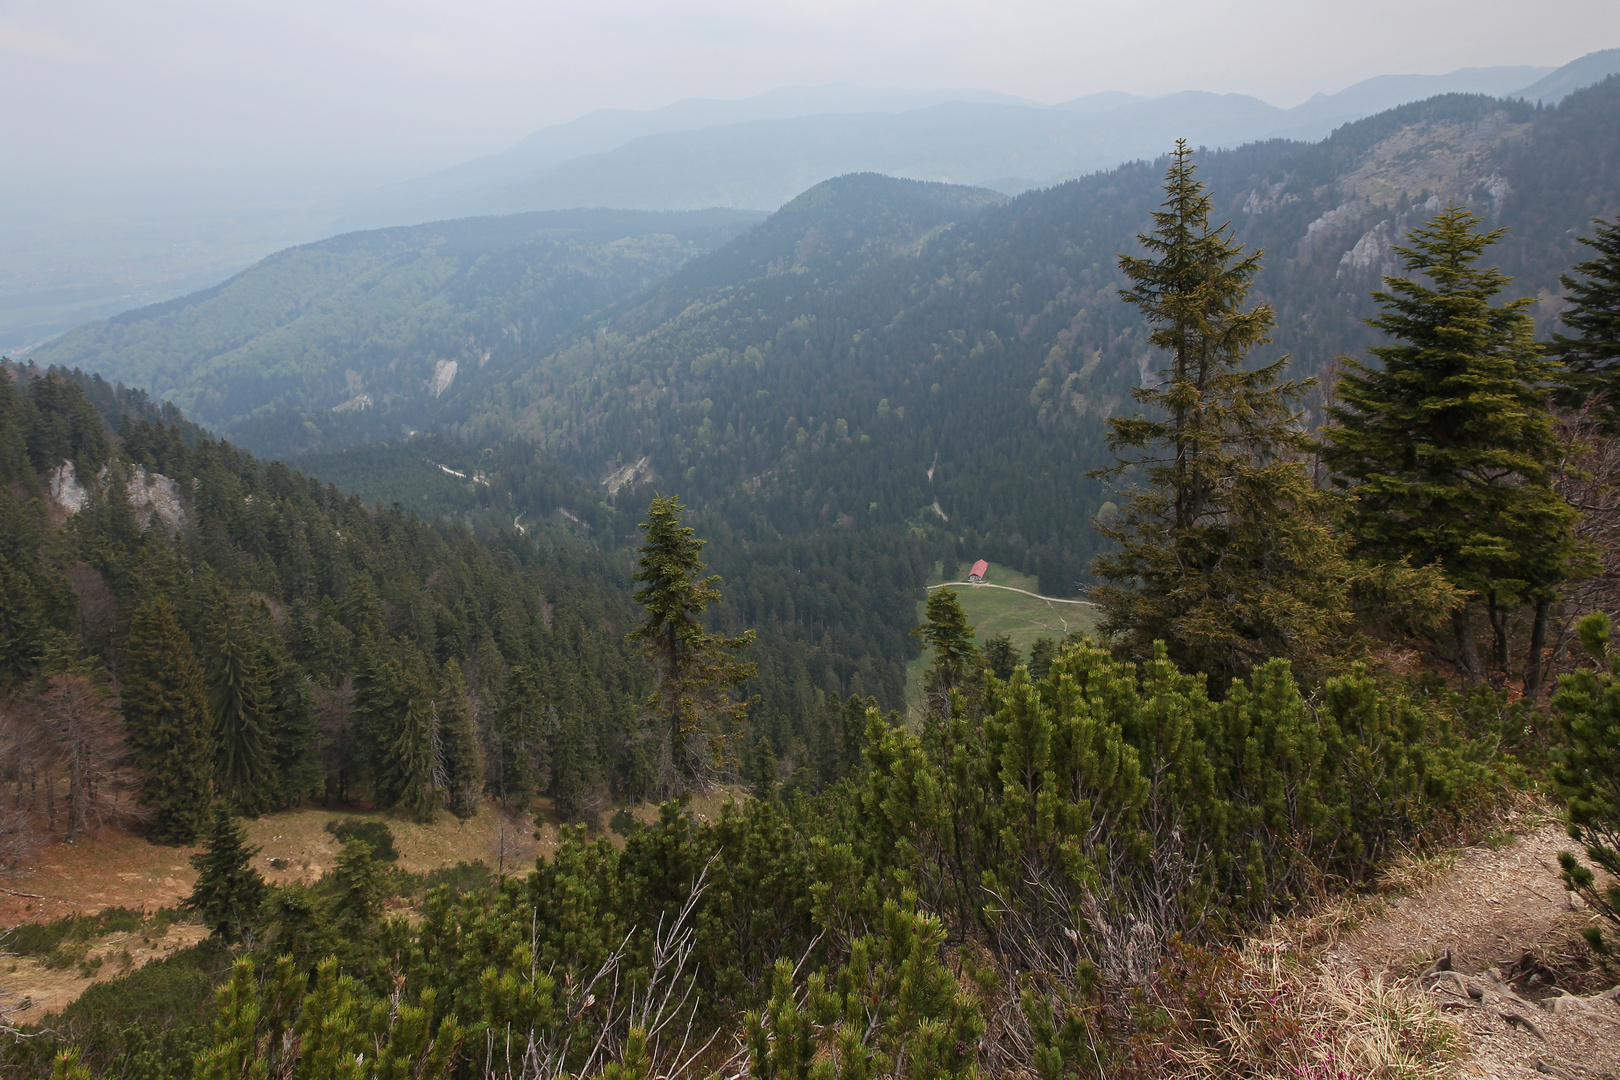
[375, 833]
[61, 941]
[464, 877]
[624, 822]
[146, 1025]
[1588, 774]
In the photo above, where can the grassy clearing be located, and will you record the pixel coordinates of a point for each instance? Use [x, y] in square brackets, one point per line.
[995, 611]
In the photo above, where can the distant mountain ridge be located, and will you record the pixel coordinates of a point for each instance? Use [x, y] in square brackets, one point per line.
[363, 321]
[1573, 76]
[759, 152]
[883, 375]
[756, 152]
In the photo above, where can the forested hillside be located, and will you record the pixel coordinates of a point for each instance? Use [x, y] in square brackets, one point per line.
[1328, 654]
[269, 640]
[355, 337]
[875, 349]
[884, 376]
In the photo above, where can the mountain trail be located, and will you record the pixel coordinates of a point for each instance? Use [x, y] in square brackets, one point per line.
[1520, 986]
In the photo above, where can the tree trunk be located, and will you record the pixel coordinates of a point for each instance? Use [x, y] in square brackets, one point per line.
[1534, 666]
[1499, 632]
[1467, 653]
[76, 793]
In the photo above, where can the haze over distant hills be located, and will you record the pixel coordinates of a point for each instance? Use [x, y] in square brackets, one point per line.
[759, 152]
[756, 153]
[632, 159]
[882, 363]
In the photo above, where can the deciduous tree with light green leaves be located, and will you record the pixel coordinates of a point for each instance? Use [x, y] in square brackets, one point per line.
[696, 670]
[1446, 442]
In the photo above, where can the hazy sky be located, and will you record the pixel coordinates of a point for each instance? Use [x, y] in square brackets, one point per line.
[355, 89]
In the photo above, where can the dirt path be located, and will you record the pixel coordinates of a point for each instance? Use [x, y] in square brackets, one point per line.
[1510, 926]
[1009, 588]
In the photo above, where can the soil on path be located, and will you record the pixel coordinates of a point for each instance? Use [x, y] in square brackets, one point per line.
[1521, 990]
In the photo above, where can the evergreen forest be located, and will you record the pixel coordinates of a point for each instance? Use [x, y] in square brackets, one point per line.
[649, 572]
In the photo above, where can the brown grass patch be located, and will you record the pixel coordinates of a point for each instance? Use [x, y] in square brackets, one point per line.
[47, 990]
[1265, 1016]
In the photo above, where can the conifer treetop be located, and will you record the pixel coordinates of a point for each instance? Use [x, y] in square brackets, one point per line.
[1207, 412]
[1592, 289]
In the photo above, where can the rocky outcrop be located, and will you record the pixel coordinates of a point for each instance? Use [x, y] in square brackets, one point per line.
[153, 496]
[65, 490]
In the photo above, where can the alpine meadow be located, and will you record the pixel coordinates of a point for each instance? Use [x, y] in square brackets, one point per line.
[543, 646]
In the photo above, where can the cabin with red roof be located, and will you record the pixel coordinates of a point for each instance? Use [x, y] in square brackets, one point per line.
[980, 568]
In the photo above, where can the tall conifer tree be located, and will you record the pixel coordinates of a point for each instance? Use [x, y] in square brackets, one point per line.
[406, 772]
[1226, 549]
[22, 630]
[296, 734]
[1446, 444]
[1592, 357]
[394, 717]
[946, 630]
[516, 738]
[165, 707]
[241, 697]
[458, 775]
[694, 668]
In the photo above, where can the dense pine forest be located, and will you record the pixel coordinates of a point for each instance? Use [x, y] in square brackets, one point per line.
[1351, 613]
[278, 637]
[884, 381]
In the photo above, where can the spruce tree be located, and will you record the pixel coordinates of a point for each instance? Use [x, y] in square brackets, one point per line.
[22, 630]
[241, 700]
[946, 630]
[516, 738]
[1591, 358]
[1447, 442]
[1226, 550]
[16, 420]
[228, 891]
[568, 769]
[460, 778]
[358, 884]
[393, 714]
[165, 708]
[695, 669]
[410, 761]
[999, 656]
[296, 734]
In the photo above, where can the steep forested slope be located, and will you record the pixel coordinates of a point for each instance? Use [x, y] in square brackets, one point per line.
[887, 374]
[319, 634]
[883, 348]
[347, 339]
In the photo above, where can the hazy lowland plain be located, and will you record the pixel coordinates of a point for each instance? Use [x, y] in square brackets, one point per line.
[369, 708]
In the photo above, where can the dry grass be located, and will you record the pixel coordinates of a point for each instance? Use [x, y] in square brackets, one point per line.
[1271, 1017]
[304, 850]
[49, 990]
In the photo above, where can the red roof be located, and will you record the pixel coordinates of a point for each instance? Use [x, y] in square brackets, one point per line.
[980, 568]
